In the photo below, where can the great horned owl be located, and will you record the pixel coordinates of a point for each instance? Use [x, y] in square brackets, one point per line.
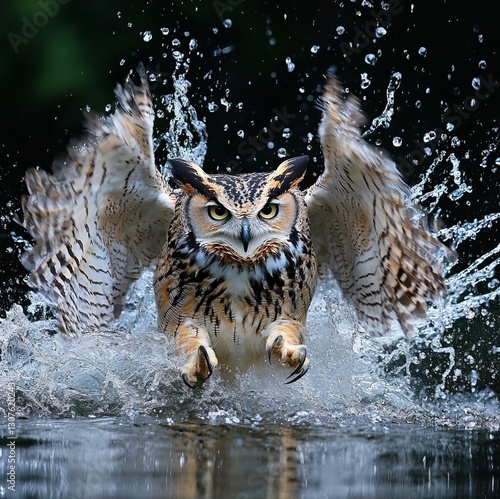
[240, 256]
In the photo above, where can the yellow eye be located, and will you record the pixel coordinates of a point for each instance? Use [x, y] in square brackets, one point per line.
[218, 212]
[269, 211]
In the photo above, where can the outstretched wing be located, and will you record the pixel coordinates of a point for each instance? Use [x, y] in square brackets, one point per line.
[388, 265]
[101, 217]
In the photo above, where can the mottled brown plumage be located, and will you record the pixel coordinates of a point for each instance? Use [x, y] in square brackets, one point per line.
[238, 268]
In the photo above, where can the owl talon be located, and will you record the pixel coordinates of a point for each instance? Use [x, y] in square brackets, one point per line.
[294, 355]
[301, 369]
[277, 345]
[199, 367]
[184, 377]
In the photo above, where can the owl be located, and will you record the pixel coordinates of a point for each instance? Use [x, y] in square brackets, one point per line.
[237, 257]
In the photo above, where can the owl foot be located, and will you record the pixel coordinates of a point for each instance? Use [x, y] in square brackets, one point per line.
[293, 355]
[199, 367]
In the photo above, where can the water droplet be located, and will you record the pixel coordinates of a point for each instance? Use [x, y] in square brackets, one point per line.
[147, 36]
[176, 42]
[212, 107]
[397, 141]
[160, 113]
[122, 62]
[302, 90]
[418, 104]
[429, 136]
[286, 134]
[450, 127]
[365, 82]
[193, 44]
[240, 133]
[281, 152]
[476, 83]
[215, 30]
[178, 56]
[482, 65]
[370, 59]
[380, 32]
[225, 103]
[165, 31]
[314, 49]
[270, 145]
[340, 30]
[108, 108]
[422, 51]
[290, 66]
[227, 23]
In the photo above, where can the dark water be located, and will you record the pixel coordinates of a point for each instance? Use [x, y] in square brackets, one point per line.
[122, 458]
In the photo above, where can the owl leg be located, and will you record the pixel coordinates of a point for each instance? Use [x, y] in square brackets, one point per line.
[284, 339]
[195, 343]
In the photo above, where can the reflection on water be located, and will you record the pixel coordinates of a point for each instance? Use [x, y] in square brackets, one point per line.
[149, 458]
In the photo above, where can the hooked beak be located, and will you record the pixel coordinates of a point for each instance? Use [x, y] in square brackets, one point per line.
[245, 233]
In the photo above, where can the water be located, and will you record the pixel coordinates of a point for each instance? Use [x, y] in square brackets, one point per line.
[106, 415]
[111, 457]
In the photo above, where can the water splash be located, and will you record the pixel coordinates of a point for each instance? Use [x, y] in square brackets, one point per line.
[130, 368]
[385, 118]
[186, 137]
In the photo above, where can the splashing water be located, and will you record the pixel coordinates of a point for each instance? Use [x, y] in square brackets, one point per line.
[130, 368]
[385, 118]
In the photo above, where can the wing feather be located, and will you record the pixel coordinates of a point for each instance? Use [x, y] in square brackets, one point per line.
[100, 217]
[387, 264]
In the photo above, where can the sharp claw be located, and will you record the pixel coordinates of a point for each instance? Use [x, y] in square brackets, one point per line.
[301, 363]
[203, 350]
[297, 377]
[184, 377]
[269, 350]
[298, 370]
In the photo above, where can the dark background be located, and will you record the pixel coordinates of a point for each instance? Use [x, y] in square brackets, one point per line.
[60, 56]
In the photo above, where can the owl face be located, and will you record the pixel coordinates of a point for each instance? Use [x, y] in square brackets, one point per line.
[241, 217]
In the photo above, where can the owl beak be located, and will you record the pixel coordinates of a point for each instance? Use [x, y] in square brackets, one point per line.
[245, 233]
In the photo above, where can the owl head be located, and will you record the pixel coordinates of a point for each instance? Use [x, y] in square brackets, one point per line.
[241, 217]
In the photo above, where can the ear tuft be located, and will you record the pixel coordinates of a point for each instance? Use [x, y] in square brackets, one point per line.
[190, 177]
[288, 175]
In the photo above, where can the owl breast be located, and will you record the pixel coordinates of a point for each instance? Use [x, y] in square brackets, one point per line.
[233, 302]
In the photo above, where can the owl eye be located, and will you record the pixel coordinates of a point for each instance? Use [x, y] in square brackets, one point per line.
[269, 211]
[218, 212]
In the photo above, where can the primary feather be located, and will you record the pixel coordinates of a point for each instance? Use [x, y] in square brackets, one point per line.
[100, 217]
[386, 264]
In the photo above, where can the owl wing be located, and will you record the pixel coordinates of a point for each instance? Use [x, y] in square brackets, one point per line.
[387, 265]
[101, 217]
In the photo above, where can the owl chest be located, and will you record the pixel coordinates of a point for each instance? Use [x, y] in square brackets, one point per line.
[230, 302]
